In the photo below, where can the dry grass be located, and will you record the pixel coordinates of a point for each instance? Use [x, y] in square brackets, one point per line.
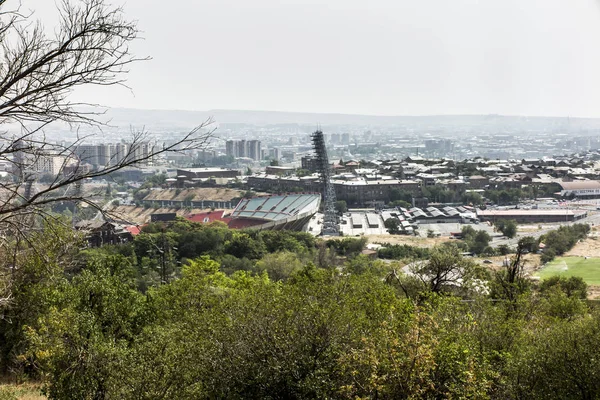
[531, 262]
[24, 391]
[593, 292]
[589, 247]
[409, 240]
[198, 194]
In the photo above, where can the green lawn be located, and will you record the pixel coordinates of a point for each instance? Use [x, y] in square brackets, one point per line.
[588, 269]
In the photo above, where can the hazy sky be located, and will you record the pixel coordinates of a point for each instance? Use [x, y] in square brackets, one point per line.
[386, 57]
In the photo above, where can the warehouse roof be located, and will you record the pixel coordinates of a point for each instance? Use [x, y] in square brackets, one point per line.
[579, 185]
[492, 213]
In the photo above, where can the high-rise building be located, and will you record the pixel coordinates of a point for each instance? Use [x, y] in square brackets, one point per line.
[241, 150]
[253, 149]
[98, 155]
[87, 153]
[309, 163]
[52, 165]
[230, 148]
[345, 139]
[103, 154]
[244, 148]
[275, 154]
[118, 152]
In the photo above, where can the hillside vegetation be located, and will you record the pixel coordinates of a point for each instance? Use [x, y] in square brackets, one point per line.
[190, 311]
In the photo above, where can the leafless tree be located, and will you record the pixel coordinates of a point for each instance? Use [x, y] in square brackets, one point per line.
[38, 73]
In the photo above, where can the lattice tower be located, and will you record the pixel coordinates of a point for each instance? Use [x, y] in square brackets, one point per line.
[330, 220]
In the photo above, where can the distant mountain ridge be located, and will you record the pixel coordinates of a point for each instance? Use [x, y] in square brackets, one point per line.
[185, 118]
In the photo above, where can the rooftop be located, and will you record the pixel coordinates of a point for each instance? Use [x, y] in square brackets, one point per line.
[492, 213]
[277, 207]
[578, 185]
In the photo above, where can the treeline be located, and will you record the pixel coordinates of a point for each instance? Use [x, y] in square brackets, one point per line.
[442, 194]
[473, 241]
[351, 328]
[159, 252]
[559, 241]
[402, 251]
[513, 196]
[554, 243]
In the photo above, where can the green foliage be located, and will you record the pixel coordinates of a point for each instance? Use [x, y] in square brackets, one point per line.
[402, 251]
[347, 246]
[548, 255]
[299, 242]
[573, 286]
[392, 225]
[529, 244]
[220, 161]
[508, 228]
[399, 203]
[302, 172]
[472, 198]
[441, 194]
[477, 241]
[558, 361]
[503, 249]
[561, 240]
[341, 206]
[279, 266]
[400, 195]
[504, 197]
[155, 180]
[447, 271]
[242, 245]
[261, 320]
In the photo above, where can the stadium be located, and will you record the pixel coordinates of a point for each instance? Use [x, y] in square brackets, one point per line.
[289, 212]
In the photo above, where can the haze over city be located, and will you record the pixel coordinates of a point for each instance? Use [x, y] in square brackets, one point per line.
[382, 57]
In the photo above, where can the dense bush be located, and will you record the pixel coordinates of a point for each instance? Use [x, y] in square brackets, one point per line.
[402, 251]
[278, 326]
[561, 240]
[347, 246]
[477, 241]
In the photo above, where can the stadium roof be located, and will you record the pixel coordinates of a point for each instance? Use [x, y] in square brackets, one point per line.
[272, 208]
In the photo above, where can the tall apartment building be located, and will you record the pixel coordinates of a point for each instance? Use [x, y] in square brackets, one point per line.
[275, 154]
[52, 165]
[88, 153]
[309, 163]
[244, 148]
[241, 149]
[108, 154]
[118, 152]
[345, 139]
[253, 149]
[230, 148]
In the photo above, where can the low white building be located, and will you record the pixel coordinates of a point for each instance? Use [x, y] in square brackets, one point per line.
[581, 189]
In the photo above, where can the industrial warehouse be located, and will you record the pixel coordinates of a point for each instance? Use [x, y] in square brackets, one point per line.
[532, 216]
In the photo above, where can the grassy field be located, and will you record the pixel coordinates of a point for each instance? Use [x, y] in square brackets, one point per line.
[588, 269]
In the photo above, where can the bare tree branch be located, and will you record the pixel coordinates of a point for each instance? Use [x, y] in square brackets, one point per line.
[38, 73]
